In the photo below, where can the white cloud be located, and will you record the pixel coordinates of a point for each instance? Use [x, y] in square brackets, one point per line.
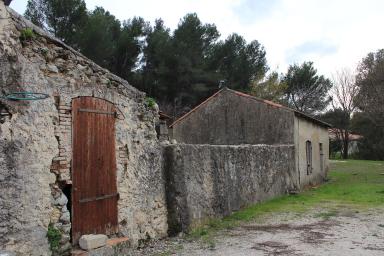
[351, 27]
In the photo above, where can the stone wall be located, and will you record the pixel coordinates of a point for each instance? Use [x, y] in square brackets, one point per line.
[206, 181]
[229, 118]
[35, 143]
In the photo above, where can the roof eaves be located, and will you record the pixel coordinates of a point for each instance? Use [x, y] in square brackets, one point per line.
[315, 120]
[277, 105]
[267, 102]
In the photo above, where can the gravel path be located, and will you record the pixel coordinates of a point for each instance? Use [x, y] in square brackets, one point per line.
[338, 233]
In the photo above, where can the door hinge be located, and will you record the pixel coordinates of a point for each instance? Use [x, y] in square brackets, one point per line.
[95, 111]
[97, 198]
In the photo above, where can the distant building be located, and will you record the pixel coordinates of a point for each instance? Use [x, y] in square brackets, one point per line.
[233, 118]
[353, 144]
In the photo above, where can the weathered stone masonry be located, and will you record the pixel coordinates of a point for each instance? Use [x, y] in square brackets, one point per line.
[209, 181]
[35, 143]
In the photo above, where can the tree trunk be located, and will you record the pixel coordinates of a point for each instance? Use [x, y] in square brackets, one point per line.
[345, 144]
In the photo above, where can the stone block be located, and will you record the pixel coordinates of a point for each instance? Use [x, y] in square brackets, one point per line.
[6, 253]
[89, 242]
[65, 217]
[62, 200]
[65, 107]
[52, 68]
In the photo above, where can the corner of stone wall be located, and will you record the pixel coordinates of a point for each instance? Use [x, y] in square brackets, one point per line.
[60, 218]
[175, 191]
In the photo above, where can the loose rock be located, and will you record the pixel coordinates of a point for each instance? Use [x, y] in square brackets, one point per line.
[89, 242]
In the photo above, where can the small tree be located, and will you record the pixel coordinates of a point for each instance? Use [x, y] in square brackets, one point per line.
[344, 93]
[340, 120]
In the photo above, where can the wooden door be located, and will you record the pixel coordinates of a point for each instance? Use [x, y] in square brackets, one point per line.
[94, 189]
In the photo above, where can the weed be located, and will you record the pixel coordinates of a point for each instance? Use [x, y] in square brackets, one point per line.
[54, 237]
[27, 34]
[166, 253]
[326, 215]
[211, 244]
[150, 102]
[171, 251]
[44, 51]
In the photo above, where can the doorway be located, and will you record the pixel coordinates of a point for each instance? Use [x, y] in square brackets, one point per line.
[94, 188]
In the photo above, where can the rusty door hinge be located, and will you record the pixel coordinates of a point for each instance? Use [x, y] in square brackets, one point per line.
[97, 198]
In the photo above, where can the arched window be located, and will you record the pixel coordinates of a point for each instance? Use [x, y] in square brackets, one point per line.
[308, 149]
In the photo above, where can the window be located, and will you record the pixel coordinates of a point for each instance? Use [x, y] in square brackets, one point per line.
[321, 157]
[308, 149]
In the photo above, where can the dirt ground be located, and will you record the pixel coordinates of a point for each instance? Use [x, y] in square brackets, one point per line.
[340, 232]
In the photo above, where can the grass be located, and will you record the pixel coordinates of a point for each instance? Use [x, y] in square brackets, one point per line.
[354, 184]
[326, 215]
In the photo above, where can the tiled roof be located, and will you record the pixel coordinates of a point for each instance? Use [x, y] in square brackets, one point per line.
[270, 103]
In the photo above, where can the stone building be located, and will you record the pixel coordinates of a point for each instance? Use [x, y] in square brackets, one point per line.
[236, 149]
[50, 148]
[233, 118]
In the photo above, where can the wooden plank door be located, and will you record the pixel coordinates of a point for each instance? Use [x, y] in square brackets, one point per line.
[94, 189]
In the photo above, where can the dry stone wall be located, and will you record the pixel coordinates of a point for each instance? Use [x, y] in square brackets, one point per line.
[206, 181]
[36, 150]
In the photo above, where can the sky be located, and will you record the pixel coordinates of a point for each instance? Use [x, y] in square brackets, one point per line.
[334, 34]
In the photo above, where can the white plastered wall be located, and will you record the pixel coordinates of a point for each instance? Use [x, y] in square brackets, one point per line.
[308, 130]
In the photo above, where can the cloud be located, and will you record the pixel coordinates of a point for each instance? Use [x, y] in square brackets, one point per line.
[310, 50]
[332, 34]
[249, 11]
